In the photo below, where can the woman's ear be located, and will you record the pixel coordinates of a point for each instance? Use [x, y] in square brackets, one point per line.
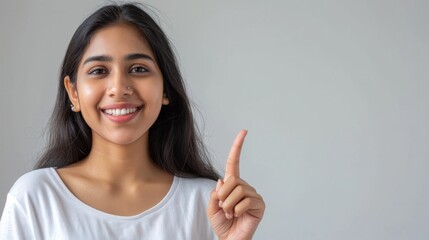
[165, 100]
[72, 92]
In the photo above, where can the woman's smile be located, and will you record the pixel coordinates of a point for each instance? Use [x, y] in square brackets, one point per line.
[121, 113]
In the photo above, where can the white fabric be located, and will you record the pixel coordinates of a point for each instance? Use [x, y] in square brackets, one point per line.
[39, 206]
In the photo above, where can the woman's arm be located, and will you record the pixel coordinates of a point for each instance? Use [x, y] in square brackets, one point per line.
[14, 222]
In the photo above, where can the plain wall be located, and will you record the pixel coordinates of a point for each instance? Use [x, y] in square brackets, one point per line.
[334, 95]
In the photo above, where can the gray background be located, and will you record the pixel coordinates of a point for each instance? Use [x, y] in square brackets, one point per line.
[334, 94]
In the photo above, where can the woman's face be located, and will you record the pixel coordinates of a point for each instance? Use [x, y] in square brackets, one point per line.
[119, 87]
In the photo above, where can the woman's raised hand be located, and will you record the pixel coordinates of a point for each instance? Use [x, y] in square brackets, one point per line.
[235, 208]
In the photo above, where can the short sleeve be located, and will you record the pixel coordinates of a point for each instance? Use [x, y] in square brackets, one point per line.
[14, 223]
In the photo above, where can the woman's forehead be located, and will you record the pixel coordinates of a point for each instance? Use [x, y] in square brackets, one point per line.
[118, 40]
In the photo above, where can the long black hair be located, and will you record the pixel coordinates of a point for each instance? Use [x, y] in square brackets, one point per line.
[174, 142]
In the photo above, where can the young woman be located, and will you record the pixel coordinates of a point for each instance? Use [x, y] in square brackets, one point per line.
[123, 159]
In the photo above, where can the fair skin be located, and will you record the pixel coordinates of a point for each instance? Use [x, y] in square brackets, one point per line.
[119, 92]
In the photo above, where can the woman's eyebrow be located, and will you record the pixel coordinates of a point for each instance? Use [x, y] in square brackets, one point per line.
[100, 58]
[134, 56]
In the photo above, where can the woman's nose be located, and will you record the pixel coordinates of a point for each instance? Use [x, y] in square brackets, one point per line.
[120, 86]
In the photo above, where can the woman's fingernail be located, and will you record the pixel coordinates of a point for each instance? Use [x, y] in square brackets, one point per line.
[228, 215]
[220, 204]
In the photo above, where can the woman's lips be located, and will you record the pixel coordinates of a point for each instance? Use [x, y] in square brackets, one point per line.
[121, 113]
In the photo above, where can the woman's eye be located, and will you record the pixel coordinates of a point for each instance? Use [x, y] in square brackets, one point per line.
[138, 69]
[97, 71]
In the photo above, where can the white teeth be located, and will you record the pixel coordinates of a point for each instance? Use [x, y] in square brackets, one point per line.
[120, 111]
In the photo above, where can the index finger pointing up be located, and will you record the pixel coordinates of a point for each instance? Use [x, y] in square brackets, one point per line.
[233, 161]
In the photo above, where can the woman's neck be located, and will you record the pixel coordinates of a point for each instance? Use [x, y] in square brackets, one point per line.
[121, 164]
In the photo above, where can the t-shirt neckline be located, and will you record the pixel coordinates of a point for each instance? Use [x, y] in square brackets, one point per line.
[85, 207]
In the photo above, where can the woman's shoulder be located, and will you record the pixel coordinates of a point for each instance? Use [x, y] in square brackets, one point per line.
[31, 182]
[203, 185]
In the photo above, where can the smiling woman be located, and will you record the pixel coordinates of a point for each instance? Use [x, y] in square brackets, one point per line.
[125, 162]
[126, 78]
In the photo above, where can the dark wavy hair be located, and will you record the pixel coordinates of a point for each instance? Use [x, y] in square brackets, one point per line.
[174, 142]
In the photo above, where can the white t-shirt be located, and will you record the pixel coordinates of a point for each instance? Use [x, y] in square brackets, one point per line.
[40, 206]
